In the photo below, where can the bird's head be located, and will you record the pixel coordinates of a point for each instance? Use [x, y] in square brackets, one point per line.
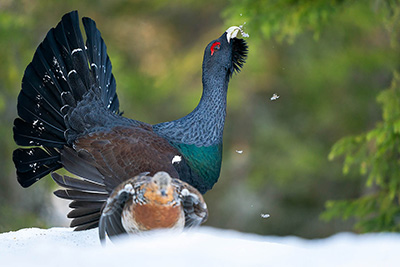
[227, 54]
[160, 189]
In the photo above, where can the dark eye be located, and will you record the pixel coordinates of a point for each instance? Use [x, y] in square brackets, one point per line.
[215, 47]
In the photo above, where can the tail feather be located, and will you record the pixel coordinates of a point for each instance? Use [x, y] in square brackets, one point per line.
[100, 65]
[69, 37]
[92, 218]
[54, 83]
[34, 163]
[45, 118]
[26, 134]
[74, 183]
[86, 204]
[80, 195]
[41, 92]
[48, 70]
[53, 63]
[77, 213]
[87, 226]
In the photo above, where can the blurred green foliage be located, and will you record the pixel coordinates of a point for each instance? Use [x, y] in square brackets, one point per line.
[284, 20]
[327, 60]
[377, 154]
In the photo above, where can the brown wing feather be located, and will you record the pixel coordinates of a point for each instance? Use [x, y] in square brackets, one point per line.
[124, 152]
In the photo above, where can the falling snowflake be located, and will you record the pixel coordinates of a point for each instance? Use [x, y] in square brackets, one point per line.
[239, 151]
[274, 97]
[244, 34]
[265, 215]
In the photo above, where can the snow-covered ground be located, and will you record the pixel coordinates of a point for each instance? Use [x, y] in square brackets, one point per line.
[202, 247]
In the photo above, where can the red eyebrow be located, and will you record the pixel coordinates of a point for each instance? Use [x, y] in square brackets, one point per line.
[213, 47]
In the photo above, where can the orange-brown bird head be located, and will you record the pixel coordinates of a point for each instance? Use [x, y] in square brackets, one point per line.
[160, 189]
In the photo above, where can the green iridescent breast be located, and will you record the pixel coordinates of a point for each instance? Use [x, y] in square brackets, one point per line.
[204, 162]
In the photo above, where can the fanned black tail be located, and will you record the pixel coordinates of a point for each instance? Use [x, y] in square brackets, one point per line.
[88, 200]
[62, 73]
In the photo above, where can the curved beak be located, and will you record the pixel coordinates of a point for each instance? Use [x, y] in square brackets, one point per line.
[232, 32]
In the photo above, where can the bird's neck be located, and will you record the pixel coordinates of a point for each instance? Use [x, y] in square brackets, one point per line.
[205, 124]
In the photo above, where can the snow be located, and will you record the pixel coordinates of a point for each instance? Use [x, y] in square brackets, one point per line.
[201, 247]
[244, 34]
[265, 215]
[274, 97]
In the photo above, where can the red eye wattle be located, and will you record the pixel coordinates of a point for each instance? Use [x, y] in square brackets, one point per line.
[215, 46]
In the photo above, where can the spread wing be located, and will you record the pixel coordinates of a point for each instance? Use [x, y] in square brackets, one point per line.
[110, 219]
[194, 206]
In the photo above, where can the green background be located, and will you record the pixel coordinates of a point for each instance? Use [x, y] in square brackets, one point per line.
[327, 60]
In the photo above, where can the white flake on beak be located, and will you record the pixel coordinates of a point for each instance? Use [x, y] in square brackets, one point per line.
[232, 32]
[177, 158]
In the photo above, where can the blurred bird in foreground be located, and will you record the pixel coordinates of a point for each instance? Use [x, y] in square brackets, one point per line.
[139, 204]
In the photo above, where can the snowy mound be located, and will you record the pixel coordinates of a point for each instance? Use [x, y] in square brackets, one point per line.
[203, 247]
